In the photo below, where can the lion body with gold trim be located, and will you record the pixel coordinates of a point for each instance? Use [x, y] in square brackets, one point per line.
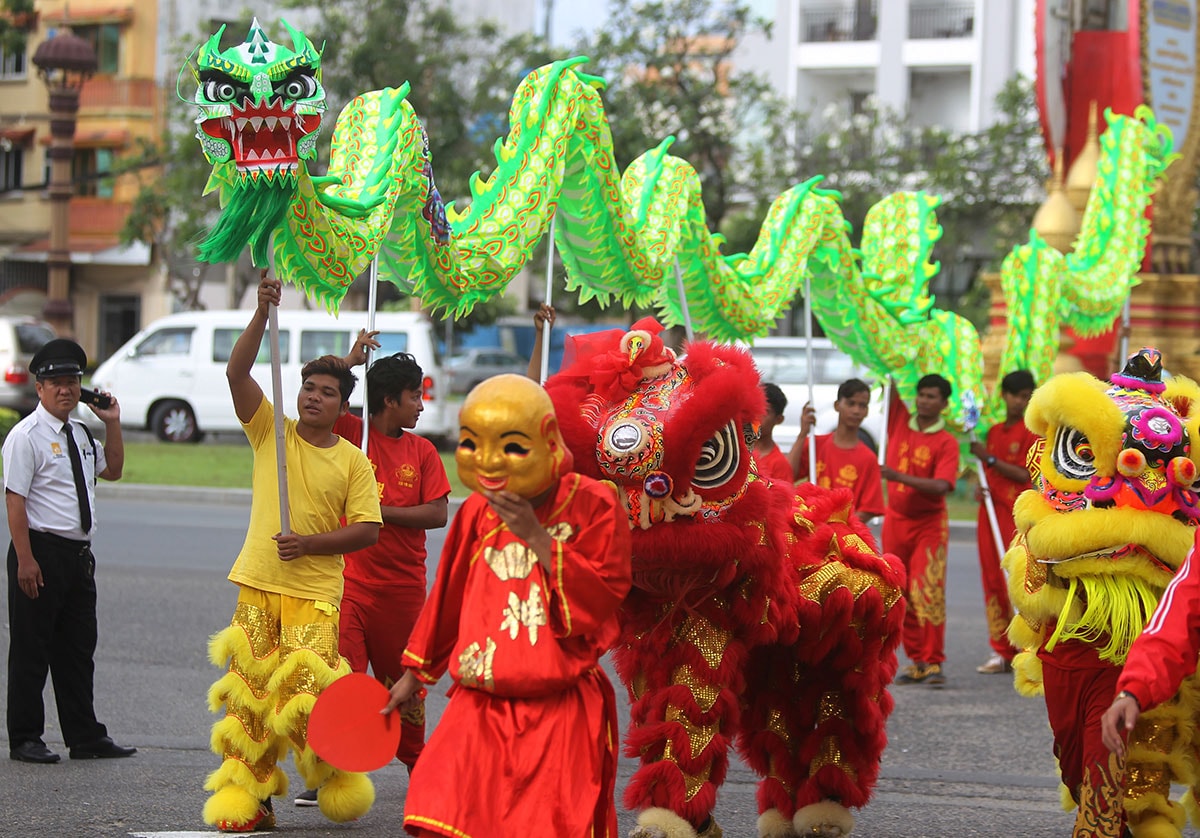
[1110, 519]
[762, 615]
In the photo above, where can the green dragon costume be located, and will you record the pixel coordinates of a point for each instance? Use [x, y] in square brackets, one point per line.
[622, 235]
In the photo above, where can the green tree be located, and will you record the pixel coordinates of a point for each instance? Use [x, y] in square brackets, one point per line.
[671, 71]
[990, 182]
[17, 19]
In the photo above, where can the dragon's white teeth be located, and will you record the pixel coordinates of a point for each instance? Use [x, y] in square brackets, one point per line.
[251, 156]
[280, 154]
[241, 122]
[271, 123]
[256, 122]
[285, 122]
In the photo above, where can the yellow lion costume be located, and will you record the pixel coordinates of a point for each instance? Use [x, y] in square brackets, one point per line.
[1111, 517]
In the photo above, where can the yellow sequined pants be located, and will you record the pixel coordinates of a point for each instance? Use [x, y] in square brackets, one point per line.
[281, 652]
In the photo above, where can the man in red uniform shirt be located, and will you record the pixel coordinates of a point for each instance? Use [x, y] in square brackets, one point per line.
[385, 583]
[843, 459]
[1004, 456]
[768, 459]
[921, 469]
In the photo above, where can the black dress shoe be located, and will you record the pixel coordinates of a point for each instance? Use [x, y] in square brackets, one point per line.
[33, 752]
[103, 748]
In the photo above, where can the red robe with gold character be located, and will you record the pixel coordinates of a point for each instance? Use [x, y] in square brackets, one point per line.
[527, 744]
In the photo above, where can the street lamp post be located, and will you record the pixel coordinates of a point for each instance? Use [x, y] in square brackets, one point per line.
[64, 63]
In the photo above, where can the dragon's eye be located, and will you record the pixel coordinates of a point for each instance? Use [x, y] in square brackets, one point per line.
[1073, 455]
[719, 458]
[220, 90]
[298, 86]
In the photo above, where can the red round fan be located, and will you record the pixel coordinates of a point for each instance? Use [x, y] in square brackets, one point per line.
[347, 728]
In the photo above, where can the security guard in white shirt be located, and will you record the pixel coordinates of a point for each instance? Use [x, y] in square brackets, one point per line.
[50, 470]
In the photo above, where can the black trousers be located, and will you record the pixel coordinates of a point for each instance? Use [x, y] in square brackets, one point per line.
[54, 633]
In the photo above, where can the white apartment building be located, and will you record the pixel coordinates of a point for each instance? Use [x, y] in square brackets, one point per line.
[940, 62]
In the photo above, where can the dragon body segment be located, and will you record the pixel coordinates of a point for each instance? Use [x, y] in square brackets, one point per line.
[1110, 519]
[762, 615]
[637, 238]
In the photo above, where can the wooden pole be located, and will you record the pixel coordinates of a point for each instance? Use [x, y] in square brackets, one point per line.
[285, 525]
[808, 346]
[372, 304]
[545, 372]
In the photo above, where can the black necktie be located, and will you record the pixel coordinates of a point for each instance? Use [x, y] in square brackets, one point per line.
[85, 508]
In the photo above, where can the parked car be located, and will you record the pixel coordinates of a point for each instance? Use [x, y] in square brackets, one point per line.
[784, 361]
[467, 369]
[170, 377]
[20, 338]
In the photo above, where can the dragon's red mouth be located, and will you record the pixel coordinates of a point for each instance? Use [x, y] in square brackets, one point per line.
[264, 136]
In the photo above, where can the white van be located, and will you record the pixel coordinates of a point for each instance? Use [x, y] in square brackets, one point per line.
[170, 377]
[784, 361]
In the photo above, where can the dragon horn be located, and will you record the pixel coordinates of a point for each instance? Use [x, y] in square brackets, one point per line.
[213, 47]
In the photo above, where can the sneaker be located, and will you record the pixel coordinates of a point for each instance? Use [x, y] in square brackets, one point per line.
[922, 673]
[264, 818]
[308, 797]
[995, 665]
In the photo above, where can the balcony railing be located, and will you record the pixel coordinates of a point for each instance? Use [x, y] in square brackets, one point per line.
[836, 24]
[945, 20]
[96, 217]
[113, 92]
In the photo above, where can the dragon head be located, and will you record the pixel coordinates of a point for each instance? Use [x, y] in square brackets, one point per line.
[672, 433]
[1114, 504]
[260, 103]
[260, 109]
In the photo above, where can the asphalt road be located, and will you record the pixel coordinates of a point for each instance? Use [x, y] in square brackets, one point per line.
[972, 759]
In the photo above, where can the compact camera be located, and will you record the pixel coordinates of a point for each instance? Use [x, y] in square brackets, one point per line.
[100, 400]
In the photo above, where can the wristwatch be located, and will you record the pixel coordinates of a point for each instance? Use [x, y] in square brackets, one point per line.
[991, 459]
[1131, 696]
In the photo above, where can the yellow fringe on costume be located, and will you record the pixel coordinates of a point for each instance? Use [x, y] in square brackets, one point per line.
[1114, 608]
[281, 653]
[1027, 674]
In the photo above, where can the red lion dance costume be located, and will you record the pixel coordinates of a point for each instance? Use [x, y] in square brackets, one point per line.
[761, 613]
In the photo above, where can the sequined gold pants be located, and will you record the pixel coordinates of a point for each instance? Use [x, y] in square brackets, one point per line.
[281, 652]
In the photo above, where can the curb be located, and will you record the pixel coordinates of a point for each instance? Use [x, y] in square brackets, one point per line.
[959, 530]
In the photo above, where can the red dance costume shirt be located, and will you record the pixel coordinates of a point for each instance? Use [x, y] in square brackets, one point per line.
[504, 625]
[920, 454]
[408, 472]
[1009, 444]
[774, 466]
[856, 469]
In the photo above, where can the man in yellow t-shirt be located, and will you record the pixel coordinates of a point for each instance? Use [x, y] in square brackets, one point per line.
[282, 643]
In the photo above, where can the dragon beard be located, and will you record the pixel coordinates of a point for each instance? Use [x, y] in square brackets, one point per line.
[251, 215]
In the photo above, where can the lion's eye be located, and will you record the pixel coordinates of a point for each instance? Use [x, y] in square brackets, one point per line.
[718, 458]
[1073, 455]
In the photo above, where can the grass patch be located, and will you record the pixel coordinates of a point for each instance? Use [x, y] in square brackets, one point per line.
[210, 466]
[213, 465]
